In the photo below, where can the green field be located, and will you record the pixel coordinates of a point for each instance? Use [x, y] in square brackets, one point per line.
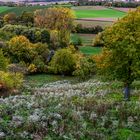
[5, 8]
[105, 13]
[86, 47]
[87, 39]
[88, 50]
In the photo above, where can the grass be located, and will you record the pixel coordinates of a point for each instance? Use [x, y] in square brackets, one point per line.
[87, 39]
[5, 8]
[40, 79]
[106, 13]
[88, 50]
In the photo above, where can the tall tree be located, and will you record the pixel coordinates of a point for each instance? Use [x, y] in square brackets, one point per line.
[10, 18]
[60, 19]
[121, 56]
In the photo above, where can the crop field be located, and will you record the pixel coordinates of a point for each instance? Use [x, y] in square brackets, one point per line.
[91, 23]
[90, 16]
[87, 39]
[5, 8]
[102, 13]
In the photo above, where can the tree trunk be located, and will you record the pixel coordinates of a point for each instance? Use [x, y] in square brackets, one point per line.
[127, 92]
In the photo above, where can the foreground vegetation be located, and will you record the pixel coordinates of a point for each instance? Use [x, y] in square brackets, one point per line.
[61, 110]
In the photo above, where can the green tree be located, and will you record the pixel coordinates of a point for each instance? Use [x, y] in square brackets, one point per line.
[20, 49]
[122, 47]
[10, 18]
[63, 62]
[27, 18]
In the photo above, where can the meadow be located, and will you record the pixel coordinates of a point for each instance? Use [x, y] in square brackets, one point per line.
[4, 8]
[105, 13]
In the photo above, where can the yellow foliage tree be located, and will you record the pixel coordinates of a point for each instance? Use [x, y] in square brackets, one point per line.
[60, 19]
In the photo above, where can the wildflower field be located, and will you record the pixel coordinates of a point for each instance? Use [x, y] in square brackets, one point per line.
[63, 110]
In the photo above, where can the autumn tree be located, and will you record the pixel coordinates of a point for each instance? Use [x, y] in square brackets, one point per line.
[26, 18]
[60, 19]
[121, 56]
[20, 49]
[10, 18]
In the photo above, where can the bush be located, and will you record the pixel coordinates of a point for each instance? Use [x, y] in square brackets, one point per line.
[9, 81]
[84, 68]
[98, 41]
[32, 33]
[39, 64]
[88, 30]
[3, 61]
[63, 62]
[76, 40]
[21, 51]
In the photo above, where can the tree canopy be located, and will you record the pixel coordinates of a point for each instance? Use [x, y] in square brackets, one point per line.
[121, 56]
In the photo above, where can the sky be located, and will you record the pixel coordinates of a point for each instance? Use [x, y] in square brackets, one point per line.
[10, 0]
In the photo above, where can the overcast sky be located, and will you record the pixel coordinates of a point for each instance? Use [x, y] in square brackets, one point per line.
[10, 0]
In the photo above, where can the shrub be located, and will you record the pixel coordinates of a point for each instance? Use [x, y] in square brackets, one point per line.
[39, 64]
[84, 68]
[32, 33]
[10, 80]
[98, 41]
[20, 50]
[76, 40]
[63, 62]
[42, 50]
[88, 30]
[32, 68]
[3, 61]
